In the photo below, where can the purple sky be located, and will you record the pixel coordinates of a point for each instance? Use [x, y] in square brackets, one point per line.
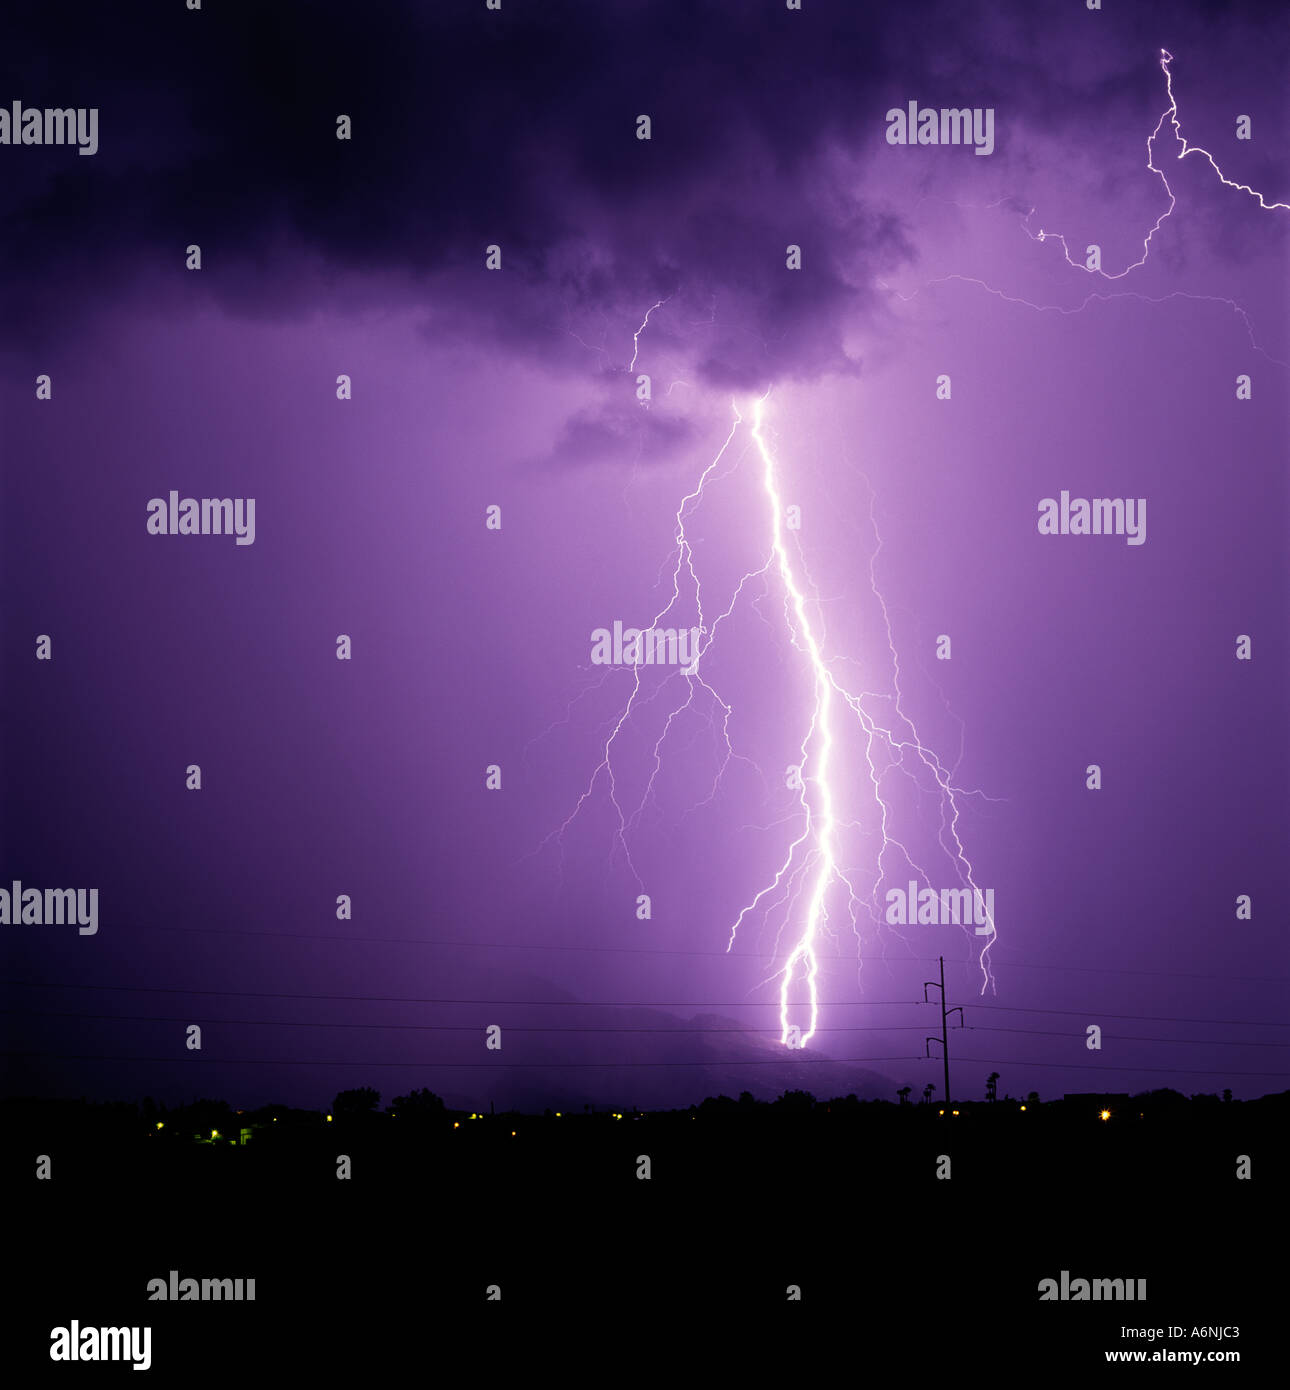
[471, 647]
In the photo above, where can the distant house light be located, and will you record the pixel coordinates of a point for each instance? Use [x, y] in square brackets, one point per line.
[1106, 1114]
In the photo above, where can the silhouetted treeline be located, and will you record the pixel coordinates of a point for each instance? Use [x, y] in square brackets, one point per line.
[209, 1121]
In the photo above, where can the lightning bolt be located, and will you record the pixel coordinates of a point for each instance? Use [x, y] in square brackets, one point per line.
[817, 746]
[636, 337]
[1170, 114]
[1165, 59]
[818, 862]
[810, 870]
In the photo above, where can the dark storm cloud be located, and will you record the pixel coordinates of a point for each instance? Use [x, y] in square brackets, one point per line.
[470, 128]
[474, 127]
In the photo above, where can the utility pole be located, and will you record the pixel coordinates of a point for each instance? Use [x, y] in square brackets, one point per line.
[944, 1039]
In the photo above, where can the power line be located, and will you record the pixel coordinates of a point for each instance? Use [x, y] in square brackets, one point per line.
[592, 1028]
[714, 1062]
[1128, 1037]
[408, 999]
[686, 951]
[1100, 1066]
[633, 1003]
[1141, 1018]
[450, 1027]
[350, 1062]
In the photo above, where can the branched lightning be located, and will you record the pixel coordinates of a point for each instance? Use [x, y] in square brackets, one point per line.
[1165, 59]
[1169, 114]
[810, 871]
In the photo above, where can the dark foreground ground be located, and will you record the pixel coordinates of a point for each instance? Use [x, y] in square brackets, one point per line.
[895, 1267]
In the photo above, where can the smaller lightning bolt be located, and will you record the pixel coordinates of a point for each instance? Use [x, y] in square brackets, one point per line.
[636, 337]
[1095, 298]
[1171, 114]
[1165, 59]
[684, 561]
